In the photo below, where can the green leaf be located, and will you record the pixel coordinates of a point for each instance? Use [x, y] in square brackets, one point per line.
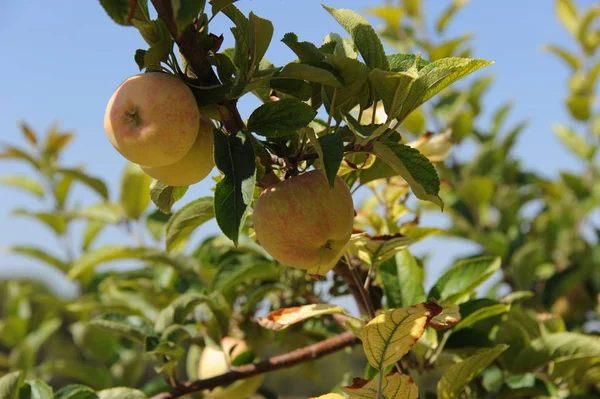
[393, 386]
[40, 254]
[355, 91]
[94, 183]
[234, 157]
[442, 22]
[364, 36]
[306, 51]
[121, 393]
[183, 222]
[218, 5]
[178, 310]
[156, 223]
[587, 32]
[332, 153]
[458, 376]
[393, 88]
[463, 277]
[232, 274]
[309, 73]
[88, 262]
[106, 212]
[185, 11]
[165, 196]
[25, 183]
[556, 347]
[90, 233]
[131, 327]
[75, 391]
[135, 191]
[118, 10]
[413, 167]
[261, 34]
[28, 133]
[579, 106]
[481, 314]
[567, 15]
[574, 142]
[280, 118]
[10, 384]
[40, 390]
[403, 62]
[571, 59]
[391, 335]
[12, 152]
[55, 221]
[402, 279]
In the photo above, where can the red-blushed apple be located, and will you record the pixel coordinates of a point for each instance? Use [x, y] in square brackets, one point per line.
[152, 119]
[213, 362]
[304, 223]
[194, 166]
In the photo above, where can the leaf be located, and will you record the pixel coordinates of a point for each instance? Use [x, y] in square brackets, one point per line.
[394, 386]
[25, 183]
[309, 73]
[28, 133]
[39, 390]
[413, 167]
[567, 15]
[130, 327]
[121, 393]
[165, 196]
[9, 385]
[233, 274]
[218, 5]
[178, 310]
[403, 62]
[332, 147]
[88, 262]
[75, 391]
[156, 224]
[364, 36]
[556, 347]
[280, 118]
[391, 335]
[448, 318]
[91, 231]
[589, 39]
[393, 88]
[94, 183]
[285, 317]
[457, 376]
[86, 373]
[481, 314]
[571, 59]
[573, 142]
[185, 11]
[118, 10]
[234, 157]
[183, 222]
[442, 22]
[39, 254]
[12, 152]
[373, 250]
[55, 221]
[463, 277]
[135, 191]
[260, 38]
[402, 280]
[330, 396]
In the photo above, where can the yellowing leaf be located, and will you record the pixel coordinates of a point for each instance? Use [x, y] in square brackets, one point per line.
[567, 15]
[449, 317]
[391, 335]
[330, 396]
[394, 386]
[282, 318]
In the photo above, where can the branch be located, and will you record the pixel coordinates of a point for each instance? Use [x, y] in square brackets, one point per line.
[274, 363]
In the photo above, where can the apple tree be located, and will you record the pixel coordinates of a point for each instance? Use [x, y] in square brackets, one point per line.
[227, 316]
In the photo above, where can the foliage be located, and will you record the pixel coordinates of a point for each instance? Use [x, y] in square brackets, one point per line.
[139, 331]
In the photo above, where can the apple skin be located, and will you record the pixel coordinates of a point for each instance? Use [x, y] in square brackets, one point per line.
[152, 119]
[212, 363]
[303, 223]
[194, 166]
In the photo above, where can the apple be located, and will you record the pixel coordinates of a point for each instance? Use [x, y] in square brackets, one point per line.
[194, 166]
[152, 119]
[213, 362]
[303, 223]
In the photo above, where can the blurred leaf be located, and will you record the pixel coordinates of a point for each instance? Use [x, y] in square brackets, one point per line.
[567, 15]
[589, 40]
[231, 275]
[131, 327]
[477, 190]
[178, 310]
[12, 152]
[393, 386]
[402, 279]
[280, 118]
[481, 314]
[573, 141]
[55, 221]
[56, 141]
[448, 14]
[413, 167]
[391, 335]
[571, 59]
[447, 48]
[121, 393]
[61, 189]
[135, 191]
[28, 133]
[106, 212]
[39, 254]
[26, 183]
[364, 36]
[10, 384]
[183, 222]
[458, 376]
[91, 231]
[285, 317]
[156, 223]
[165, 196]
[234, 157]
[463, 277]
[94, 183]
[390, 14]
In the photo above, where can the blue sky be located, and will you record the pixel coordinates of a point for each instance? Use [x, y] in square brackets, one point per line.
[63, 60]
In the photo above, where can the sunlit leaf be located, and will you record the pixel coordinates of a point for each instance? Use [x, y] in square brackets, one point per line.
[25, 183]
[183, 222]
[393, 386]
[285, 317]
[448, 318]
[9, 385]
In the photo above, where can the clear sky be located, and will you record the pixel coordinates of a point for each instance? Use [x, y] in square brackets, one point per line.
[62, 61]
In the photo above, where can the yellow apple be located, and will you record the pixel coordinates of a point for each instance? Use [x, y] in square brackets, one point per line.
[152, 119]
[304, 223]
[213, 362]
[194, 166]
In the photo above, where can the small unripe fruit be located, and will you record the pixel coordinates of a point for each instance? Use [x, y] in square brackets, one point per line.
[213, 362]
[304, 223]
[152, 119]
[194, 166]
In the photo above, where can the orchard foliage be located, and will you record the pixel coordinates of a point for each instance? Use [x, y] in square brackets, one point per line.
[383, 124]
